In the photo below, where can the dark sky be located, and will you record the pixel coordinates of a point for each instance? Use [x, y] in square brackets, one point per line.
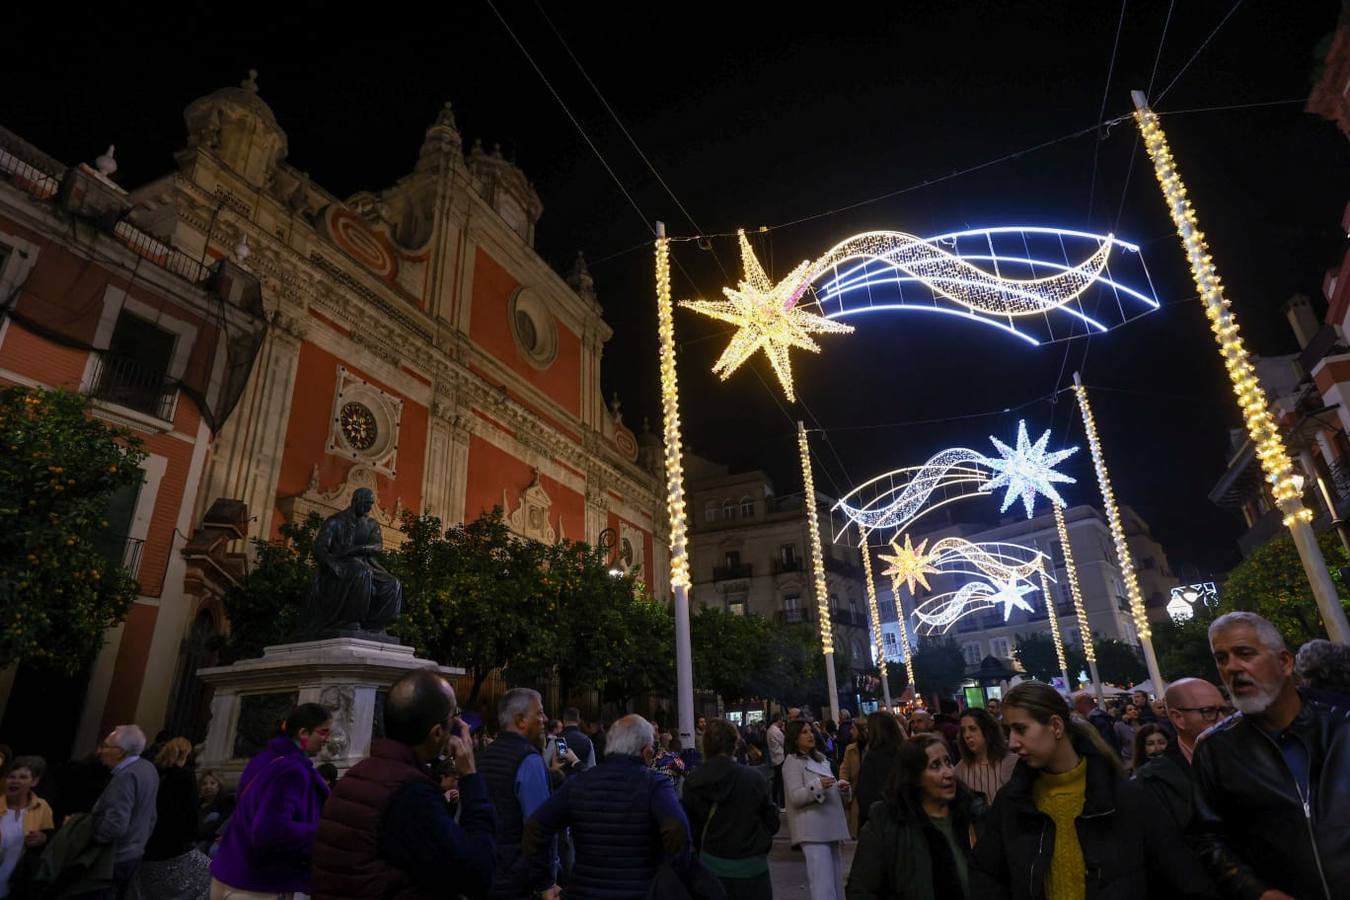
[758, 119]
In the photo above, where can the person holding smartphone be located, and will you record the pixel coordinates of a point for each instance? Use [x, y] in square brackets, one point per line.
[387, 830]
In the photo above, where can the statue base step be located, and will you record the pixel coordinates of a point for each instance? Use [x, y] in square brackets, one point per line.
[350, 675]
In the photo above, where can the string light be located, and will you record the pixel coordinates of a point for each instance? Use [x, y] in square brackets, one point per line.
[766, 318]
[1265, 434]
[1025, 470]
[1123, 558]
[1251, 397]
[1006, 570]
[904, 633]
[1052, 613]
[874, 611]
[670, 415]
[1071, 575]
[817, 555]
[909, 564]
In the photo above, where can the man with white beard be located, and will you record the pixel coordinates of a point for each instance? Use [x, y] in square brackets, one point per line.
[1272, 783]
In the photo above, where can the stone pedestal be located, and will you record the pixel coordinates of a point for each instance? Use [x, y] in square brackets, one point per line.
[348, 675]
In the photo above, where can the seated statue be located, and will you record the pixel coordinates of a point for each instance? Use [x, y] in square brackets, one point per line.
[353, 595]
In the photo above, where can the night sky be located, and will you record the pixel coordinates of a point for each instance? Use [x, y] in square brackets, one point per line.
[757, 120]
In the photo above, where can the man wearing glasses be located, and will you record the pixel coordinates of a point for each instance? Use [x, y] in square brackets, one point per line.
[1193, 705]
[1272, 785]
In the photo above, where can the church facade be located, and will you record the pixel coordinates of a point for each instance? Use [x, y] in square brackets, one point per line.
[407, 340]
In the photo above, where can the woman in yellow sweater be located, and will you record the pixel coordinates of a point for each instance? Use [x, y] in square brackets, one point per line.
[1068, 826]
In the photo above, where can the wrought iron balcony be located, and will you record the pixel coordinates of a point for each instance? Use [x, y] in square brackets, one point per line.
[781, 566]
[793, 616]
[132, 383]
[723, 573]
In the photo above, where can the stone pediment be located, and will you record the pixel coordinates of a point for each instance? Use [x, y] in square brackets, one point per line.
[530, 518]
[324, 503]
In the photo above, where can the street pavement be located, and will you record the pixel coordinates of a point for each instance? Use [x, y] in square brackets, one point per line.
[787, 867]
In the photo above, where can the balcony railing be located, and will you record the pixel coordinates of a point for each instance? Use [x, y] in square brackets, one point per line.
[121, 552]
[847, 617]
[129, 382]
[722, 573]
[781, 566]
[160, 253]
[840, 567]
[793, 616]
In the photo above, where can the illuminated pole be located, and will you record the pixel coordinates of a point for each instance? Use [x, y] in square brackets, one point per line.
[1071, 574]
[818, 567]
[875, 612]
[1137, 608]
[1261, 425]
[1053, 615]
[904, 636]
[679, 559]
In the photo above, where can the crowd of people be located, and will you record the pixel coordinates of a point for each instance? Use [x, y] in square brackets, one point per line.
[1236, 789]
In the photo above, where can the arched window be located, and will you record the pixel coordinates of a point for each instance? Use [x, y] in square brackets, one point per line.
[728, 509]
[747, 507]
[710, 511]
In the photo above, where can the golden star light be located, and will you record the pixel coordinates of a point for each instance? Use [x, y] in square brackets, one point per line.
[909, 564]
[765, 319]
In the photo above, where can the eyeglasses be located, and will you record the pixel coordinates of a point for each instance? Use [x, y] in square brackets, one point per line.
[1208, 713]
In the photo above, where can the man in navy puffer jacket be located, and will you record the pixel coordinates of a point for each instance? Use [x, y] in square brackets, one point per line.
[624, 818]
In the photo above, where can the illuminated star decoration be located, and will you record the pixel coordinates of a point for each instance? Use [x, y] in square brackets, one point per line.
[909, 564]
[765, 319]
[1027, 470]
[1010, 593]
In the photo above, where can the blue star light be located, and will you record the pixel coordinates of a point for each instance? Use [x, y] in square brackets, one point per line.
[1027, 470]
[1010, 594]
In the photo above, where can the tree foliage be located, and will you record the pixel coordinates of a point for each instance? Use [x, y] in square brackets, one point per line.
[264, 606]
[939, 666]
[59, 590]
[1036, 653]
[1272, 582]
[1119, 663]
[1183, 648]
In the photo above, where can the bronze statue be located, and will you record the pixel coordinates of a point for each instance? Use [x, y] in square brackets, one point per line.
[353, 595]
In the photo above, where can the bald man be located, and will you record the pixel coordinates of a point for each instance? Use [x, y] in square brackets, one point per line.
[1193, 705]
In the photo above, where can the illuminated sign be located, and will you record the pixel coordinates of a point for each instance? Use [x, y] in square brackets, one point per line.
[1186, 596]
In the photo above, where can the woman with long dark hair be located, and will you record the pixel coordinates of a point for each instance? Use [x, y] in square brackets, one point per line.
[883, 743]
[815, 811]
[1067, 825]
[917, 843]
[850, 767]
[986, 762]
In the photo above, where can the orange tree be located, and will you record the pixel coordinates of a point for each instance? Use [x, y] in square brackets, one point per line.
[1271, 582]
[59, 466]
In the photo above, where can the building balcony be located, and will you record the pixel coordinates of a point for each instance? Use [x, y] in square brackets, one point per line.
[1270, 524]
[840, 567]
[846, 617]
[121, 552]
[782, 566]
[129, 382]
[792, 616]
[725, 573]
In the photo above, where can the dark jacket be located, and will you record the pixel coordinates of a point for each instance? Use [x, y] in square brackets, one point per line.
[176, 815]
[499, 763]
[1168, 777]
[73, 863]
[269, 840]
[1130, 847]
[746, 818]
[581, 745]
[1105, 726]
[1250, 823]
[625, 821]
[873, 774]
[902, 855]
[386, 833]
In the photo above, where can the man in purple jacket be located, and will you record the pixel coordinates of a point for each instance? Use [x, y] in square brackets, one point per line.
[267, 844]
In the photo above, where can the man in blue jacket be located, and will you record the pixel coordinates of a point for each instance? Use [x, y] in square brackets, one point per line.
[624, 818]
[518, 783]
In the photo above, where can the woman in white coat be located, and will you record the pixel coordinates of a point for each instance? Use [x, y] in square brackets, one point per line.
[815, 811]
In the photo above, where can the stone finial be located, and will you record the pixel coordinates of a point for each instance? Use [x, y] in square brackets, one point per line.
[106, 163]
[251, 82]
[497, 151]
[242, 251]
[446, 117]
[615, 407]
[579, 279]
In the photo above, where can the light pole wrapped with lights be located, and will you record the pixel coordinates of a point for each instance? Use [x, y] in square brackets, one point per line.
[1251, 396]
[679, 557]
[875, 613]
[1052, 612]
[1123, 558]
[1071, 575]
[818, 569]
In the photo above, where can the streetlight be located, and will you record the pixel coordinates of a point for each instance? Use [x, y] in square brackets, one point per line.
[606, 542]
